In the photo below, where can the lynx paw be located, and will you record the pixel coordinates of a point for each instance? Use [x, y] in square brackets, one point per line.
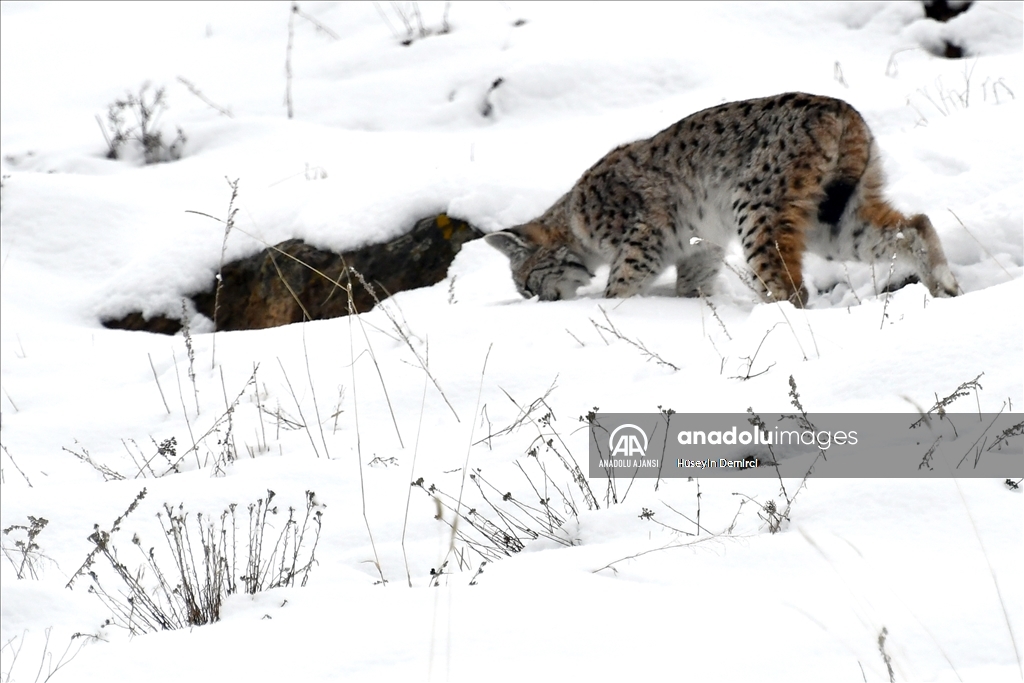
[944, 282]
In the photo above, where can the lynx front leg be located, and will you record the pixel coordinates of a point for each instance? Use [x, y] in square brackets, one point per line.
[696, 272]
[637, 262]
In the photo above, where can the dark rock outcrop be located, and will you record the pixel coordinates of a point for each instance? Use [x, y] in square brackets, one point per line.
[943, 11]
[159, 324]
[294, 281]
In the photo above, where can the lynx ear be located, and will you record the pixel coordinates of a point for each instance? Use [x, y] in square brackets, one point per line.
[508, 243]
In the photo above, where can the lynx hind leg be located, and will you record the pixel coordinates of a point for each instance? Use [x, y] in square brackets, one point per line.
[696, 271]
[884, 233]
[939, 279]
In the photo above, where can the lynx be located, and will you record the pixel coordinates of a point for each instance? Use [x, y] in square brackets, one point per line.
[784, 174]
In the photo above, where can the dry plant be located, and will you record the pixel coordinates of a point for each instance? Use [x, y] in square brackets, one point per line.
[750, 359]
[939, 408]
[411, 19]
[205, 560]
[949, 100]
[25, 554]
[499, 523]
[886, 657]
[217, 441]
[546, 438]
[487, 107]
[47, 668]
[771, 513]
[144, 133]
[611, 496]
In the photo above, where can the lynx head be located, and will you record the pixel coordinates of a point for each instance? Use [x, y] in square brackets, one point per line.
[548, 272]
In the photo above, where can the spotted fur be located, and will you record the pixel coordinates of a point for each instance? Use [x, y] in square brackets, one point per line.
[783, 175]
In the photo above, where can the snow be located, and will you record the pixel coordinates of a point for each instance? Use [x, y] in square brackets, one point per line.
[385, 134]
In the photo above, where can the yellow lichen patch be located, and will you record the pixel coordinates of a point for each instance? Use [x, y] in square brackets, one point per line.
[445, 224]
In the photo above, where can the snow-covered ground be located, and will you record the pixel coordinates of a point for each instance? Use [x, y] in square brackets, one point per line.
[866, 575]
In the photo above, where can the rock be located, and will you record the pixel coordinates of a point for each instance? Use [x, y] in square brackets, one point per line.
[942, 11]
[160, 324]
[287, 284]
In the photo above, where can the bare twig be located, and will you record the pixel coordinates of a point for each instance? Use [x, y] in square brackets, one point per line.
[312, 391]
[11, 401]
[157, 380]
[288, 60]
[11, 458]
[888, 292]
[369, 346]
[186, 333]
[184, 411]
[198, 93]
[316, 23]
[983, 247]
[408, 495]
[299, 407]
[294, 12]
[714, 312]
[228, 224]
[670, 546]
[107, 473]
[750, 360]
[359, 441]
[637, 344]
[469, 446]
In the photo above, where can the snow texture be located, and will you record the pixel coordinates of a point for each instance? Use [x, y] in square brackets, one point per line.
[384, 134]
